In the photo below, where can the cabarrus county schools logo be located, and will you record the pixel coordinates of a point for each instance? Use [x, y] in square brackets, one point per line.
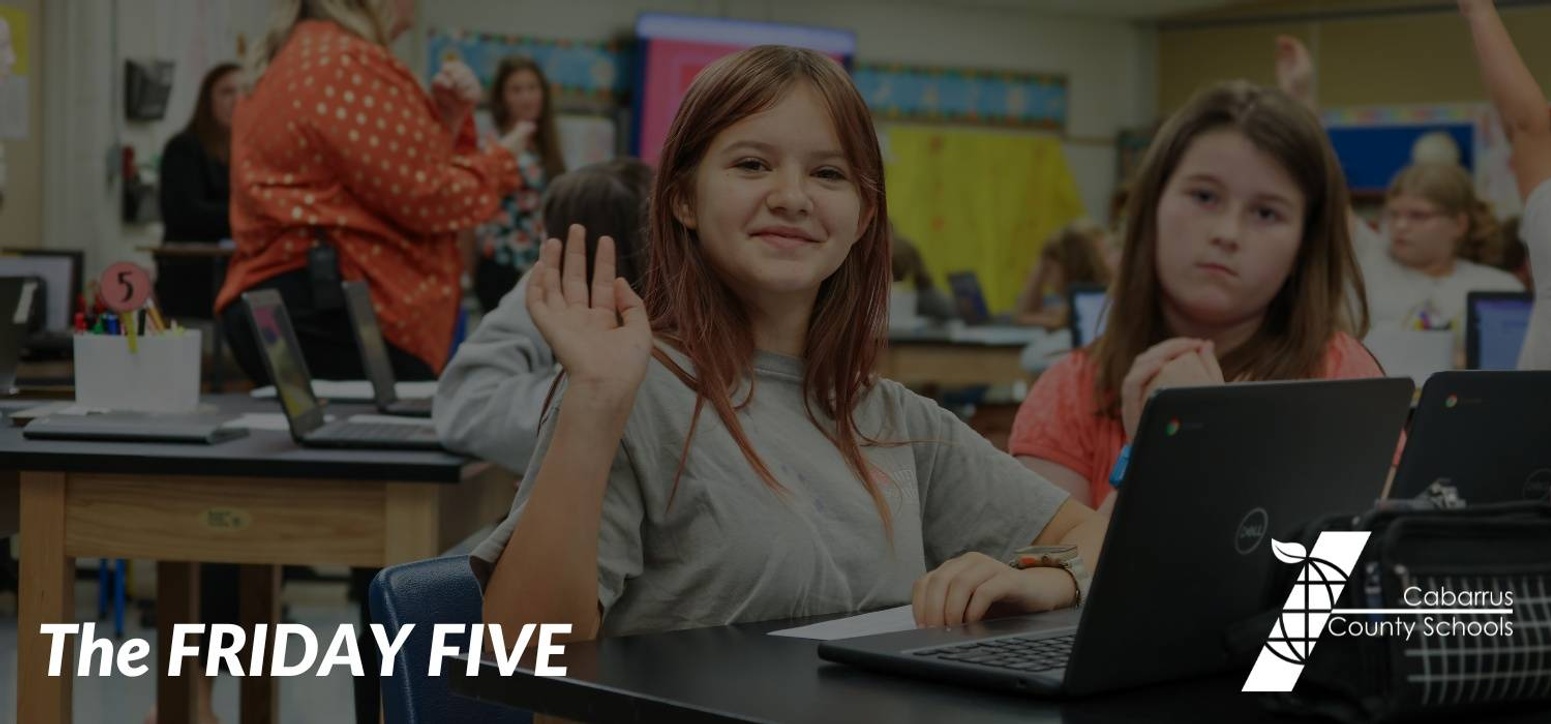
[1324, 573]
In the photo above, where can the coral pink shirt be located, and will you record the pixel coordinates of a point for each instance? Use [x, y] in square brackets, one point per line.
[1061, 421]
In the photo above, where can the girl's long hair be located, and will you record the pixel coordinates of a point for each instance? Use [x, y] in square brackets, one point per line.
[695, 311]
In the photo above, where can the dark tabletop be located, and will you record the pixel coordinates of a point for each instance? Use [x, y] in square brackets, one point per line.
[262, 453]
[738, 673]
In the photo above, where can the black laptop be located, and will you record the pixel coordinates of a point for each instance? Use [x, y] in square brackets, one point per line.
[374, 355]
[1487, 434]
[1215, 474]
[293, 385]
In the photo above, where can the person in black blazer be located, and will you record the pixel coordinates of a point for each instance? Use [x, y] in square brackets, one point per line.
[195, 195]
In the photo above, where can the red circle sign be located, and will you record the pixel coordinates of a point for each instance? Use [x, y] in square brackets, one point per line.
[124, 287]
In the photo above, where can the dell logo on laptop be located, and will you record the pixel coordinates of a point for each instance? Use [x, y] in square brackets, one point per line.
[1252, 530]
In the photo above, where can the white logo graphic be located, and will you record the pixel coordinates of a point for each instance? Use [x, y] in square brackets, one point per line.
[1308, 607]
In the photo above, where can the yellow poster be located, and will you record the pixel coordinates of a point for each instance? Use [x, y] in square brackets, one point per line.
[13, 73]
[16, 19]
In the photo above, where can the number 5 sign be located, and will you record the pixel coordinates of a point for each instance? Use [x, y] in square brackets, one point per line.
[124, 287]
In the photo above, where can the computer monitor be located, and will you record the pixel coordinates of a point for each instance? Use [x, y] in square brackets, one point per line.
[61, 275]
[968, 298]
[1495, 326]
[1089, 305]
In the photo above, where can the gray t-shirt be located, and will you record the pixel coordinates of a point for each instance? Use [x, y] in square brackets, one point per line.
[730, 549]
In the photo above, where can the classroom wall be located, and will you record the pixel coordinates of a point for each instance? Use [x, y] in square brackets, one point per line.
[1375, 52]
[1108, 62]
[21, 218]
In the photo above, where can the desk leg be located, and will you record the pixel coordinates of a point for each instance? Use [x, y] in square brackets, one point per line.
[47, 595]
[260, 592]
[177, 601]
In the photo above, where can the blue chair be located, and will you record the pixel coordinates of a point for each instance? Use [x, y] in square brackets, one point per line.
[425, 593]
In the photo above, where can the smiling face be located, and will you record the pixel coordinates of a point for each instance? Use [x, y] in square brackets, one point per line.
[1230, 222]
[776, 208]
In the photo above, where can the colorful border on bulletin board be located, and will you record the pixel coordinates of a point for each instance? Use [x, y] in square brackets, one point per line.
[1401, 115]
[599, 69]
[995, 98]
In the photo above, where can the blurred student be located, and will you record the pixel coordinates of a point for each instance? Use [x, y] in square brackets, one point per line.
[1236, 263]
[491, 397]
[509, 242]
[195, 195]
[740, 405]
[1075, 254]
[909, 268]
[1522, 106]
[1441, 240]
[344, 168]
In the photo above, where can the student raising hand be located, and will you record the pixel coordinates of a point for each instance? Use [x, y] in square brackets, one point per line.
[599, 332]
[1295, 70]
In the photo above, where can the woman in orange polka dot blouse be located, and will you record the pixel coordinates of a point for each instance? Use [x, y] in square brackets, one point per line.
[337, 145]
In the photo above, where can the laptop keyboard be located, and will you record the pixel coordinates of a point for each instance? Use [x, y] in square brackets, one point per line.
[1016, 653]
[376, 431]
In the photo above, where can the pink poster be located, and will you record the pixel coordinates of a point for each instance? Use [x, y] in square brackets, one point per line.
[670, 67]
[677, 48]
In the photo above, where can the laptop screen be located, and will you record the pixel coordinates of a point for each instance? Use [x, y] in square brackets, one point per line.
[1090, 310]
[287, 369]
[368, 335]
[968, 298]
[1497, 326]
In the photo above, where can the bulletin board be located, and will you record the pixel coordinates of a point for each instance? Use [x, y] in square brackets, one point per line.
[672, 49]
[897, 92]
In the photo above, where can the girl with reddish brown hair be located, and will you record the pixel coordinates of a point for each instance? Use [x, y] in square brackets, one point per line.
[759, 469]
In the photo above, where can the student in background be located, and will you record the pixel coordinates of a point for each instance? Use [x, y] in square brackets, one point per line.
[747, 481]
[509, 244]
[491, 397]
[1441, 238]
[195, 195]
[1522, 106]
[908, 267]
[344, 168]
[1236, 264]
[1440, 235]
[1075, 254]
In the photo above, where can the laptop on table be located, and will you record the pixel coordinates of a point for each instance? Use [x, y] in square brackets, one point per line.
[1487, 434]
[293, 385]
[374, 355]
[1215, 474]
[968, 298]
[1088, 306]
[1495, 326]
[13, 327]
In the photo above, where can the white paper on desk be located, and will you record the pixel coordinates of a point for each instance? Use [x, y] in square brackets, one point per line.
[394, 420]
[355, 390]
[263, 421]
[888, 620]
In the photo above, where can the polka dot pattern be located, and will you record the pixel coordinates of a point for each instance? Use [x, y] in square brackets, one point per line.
[338, 136]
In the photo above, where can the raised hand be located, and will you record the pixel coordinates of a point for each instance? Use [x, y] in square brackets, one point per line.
[1295, 70]
[456, 91]
[599, 331]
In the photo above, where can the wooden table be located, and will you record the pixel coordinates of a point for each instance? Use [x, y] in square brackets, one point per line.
[259, 501]
[943, 358]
